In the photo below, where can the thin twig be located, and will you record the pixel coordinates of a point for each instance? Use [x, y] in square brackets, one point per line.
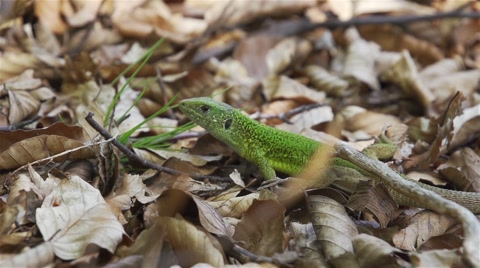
[424, 198]
[19, 125]
[133, 157]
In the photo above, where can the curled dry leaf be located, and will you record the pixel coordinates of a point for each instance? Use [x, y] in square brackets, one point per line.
[358, 119]
[322, 80]
[463, 169]
[39, 256]
[243, 11]
[420, 228]
[42, 147]
[75, 215]
[360, 59]
[285, 87]
[261, 229]
[22, 106]
[375, 252]
[190, 244]
[404, 74]
[286, 53]
[210, 219]
[333, 227]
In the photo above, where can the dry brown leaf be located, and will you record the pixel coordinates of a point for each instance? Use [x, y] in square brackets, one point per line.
[360, 59]
[436, 258]
[404, 74]
[149, 245]
[358, 119]
[252, 53]
[322, 80]
[261, 229]
[239, 11]
[420, 228]
[234, 207]
[374, 252]
[210, 219]
[42, 147]
[75, 215]
[333, 227]
[463, 169]
[279, 87]
[22, 106]
[49, 14]
[287, 53]
[146, 17]
[465, 126]
[190, 244]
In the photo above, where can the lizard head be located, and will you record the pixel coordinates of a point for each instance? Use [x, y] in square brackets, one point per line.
[218, 118]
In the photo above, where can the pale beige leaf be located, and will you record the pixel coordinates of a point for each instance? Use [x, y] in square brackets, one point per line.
[333, 227]
[404, 73]
[463, 169]
[286, 53]
[465, 126]
[243, 11]
[234, 207]
[75, 215]
[358, 119]
[420, 228]
[285, 87]
[190, 244]
[210, 219]
[22, 106]
[360, 60]
[15, 63]
[445, 86]
[323, 80]
[39, 256]
[42, 187]
[374, 252]
[436, 258]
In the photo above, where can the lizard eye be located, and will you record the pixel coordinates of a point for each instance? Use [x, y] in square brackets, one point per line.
[227, 124]
[205, 108]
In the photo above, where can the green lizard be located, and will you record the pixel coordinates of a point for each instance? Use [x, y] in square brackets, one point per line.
[276, 150]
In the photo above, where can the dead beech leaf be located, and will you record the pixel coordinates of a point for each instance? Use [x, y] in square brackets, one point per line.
[286, 53]
[333, 227]
[445, 86]
[360, 59]
[234, 207]
[373, 123]
[15, 63]
[190, 244]
[465, 126]
[22, 106]
[404, 73]
[75, 215]
[39, 256]
[463, 169]
[322, 80]
[252, 52]
[49, 13]
[375, 252]
[436, 258]
[279, 87]
[420, 228]
[210, 219]
[249, 10]
[41, 147]
[261, 229]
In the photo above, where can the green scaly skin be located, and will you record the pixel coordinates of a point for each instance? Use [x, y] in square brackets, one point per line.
[276, 150]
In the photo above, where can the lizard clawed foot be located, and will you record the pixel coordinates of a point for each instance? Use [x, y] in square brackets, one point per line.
[270, 183]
